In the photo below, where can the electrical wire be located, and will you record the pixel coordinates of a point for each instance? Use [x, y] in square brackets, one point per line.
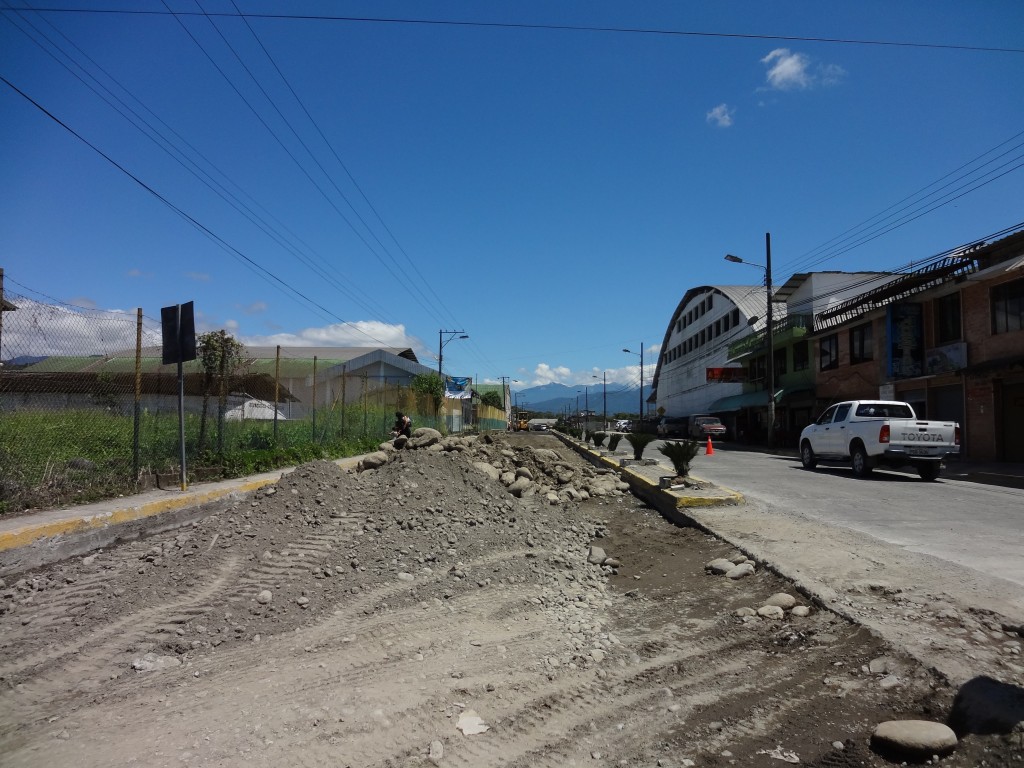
[251, 264]
[648, 31]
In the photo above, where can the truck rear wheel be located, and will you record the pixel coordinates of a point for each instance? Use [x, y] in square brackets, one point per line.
[929, 471]
[859, 460]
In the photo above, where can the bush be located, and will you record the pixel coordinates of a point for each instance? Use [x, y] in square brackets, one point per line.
[639, 441]
[613, 440]
[680, 454]
[599, 438]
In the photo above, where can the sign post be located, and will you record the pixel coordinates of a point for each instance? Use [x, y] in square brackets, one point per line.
[178, 328]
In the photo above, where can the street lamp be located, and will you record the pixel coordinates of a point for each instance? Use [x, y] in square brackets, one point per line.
[442, 341]
[641, 353]
[604, 397]
[770, 338]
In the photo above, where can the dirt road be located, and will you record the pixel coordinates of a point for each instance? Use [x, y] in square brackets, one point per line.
[421, 614]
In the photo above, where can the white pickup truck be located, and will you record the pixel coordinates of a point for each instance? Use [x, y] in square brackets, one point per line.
[868, 433]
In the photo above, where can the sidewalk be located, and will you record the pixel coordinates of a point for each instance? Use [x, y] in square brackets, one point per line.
[31, 540]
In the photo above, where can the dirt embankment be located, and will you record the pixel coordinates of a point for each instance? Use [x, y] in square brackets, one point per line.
[420, 613]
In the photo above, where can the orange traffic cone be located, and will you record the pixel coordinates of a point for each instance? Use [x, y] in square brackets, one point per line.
[710, 450]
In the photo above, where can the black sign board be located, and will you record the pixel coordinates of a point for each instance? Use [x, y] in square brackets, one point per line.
[179, 333]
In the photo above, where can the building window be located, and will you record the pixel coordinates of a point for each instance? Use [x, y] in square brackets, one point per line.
[725, 323]
[779, 362]
[829, 348]
[736, 317]
[801, 356]
[718, 327]
[947, 319]
[861, 346]
[758, 367]
[710, 295]
[1008, 307]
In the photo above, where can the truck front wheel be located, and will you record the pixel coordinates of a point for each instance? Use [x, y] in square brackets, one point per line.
[859, 460]
[807, 457]
[929, 471]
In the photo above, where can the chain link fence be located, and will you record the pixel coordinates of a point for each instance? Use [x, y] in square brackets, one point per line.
[88, 410]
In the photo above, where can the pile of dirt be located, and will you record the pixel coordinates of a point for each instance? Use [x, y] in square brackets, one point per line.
[462, 602]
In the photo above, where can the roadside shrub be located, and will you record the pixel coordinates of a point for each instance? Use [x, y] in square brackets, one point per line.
[639, 441]
[613, 440]
[599, 438]
[680, 454]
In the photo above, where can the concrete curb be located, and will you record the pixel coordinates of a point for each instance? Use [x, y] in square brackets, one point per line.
[648, 489]
[46, 537]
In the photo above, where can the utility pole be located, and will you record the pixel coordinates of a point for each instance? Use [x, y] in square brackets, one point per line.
[771, 340]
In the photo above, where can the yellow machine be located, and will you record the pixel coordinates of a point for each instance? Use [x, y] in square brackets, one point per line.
[522, 421]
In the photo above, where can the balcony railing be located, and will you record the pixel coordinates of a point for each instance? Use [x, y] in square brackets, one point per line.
[783, 329]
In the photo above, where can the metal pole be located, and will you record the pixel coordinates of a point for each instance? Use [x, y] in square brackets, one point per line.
[604, 397]
[641, 387]
[137, 410]
[277, 385]
[313, 424]
[771, 341]
[440, 353]
[181, 401]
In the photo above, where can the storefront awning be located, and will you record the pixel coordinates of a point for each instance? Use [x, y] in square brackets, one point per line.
[790, 395]
[736, 402]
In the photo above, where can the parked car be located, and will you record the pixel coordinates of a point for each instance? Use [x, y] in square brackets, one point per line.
[702, 427]
[867, 433]
[623, 425]
[672, 426]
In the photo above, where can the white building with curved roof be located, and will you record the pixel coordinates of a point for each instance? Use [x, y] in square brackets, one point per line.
[707, 320]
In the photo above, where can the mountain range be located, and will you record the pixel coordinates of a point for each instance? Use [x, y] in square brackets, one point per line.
[559, 398]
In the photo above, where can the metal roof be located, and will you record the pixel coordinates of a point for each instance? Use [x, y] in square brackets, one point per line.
[751, 300]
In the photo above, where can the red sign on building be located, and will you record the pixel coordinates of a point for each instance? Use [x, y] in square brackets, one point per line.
[727, 375]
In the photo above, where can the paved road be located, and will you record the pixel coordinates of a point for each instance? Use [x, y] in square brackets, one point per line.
[977, 526]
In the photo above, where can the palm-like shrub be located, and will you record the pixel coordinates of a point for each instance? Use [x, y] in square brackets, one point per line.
[599, 438]
[639, 441]
[613, 440]
[680, 454]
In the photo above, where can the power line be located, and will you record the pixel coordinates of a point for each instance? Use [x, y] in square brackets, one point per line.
[163, 142]
[649, 31]
[257, 268]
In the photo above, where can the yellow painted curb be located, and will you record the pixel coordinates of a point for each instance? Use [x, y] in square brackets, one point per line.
[32, 532]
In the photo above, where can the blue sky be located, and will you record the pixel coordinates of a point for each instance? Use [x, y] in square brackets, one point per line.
[553, 191]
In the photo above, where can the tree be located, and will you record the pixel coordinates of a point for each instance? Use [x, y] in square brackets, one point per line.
[492, 399]
[220, 355]
[429, 386]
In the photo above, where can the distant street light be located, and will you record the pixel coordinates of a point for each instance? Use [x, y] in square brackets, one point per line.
[442, 341]
[604, 396]
[767, 267]
[641, 353]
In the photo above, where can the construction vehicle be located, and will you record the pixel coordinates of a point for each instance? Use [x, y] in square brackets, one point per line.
[522, 422]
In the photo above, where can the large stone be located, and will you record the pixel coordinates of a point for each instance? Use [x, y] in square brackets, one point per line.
[520, 487]
[771, 612]
[781, 599]
[719, 566]
[986, 705]
[740, 571]
[913, 739]
[596, 556]
[488, 469]
[373, 461]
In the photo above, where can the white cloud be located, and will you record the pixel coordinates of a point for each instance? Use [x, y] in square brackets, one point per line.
[787, 71]
[545, 374]
[38, 329]
[255, 308]
[791, 71]
[721, 116]
[831, 74]
[199, 277]
[364, 333]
